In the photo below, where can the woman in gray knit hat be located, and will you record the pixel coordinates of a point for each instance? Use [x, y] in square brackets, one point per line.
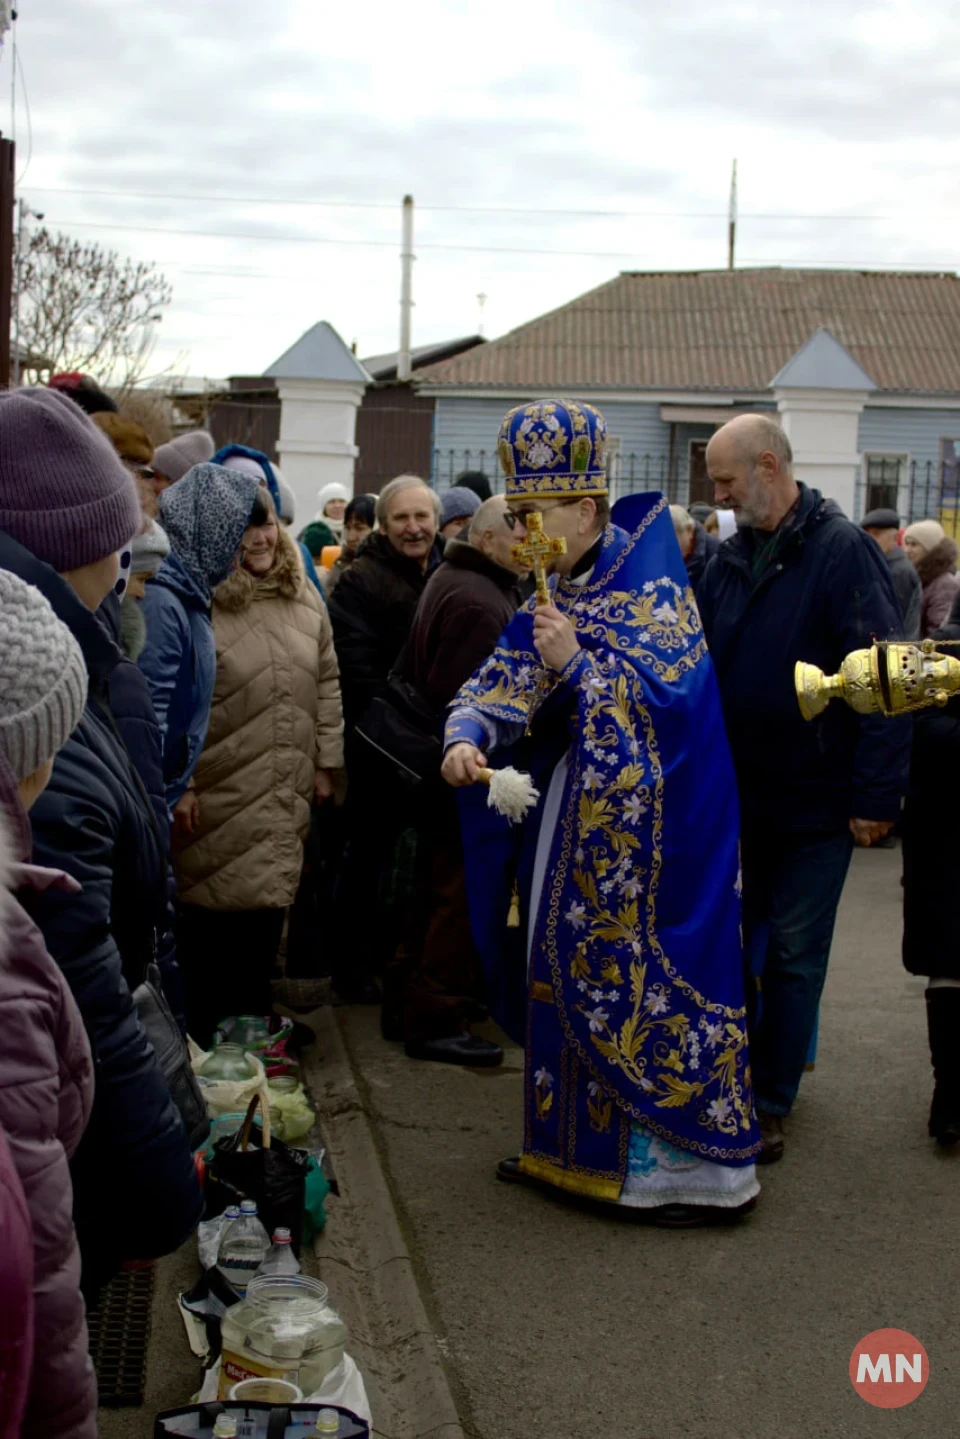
[46, 1069]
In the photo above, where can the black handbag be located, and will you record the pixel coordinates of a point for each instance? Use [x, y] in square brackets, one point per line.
[250, 1164]
[401, 735]
[168, 1043]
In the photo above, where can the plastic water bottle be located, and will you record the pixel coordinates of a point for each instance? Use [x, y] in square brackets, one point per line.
[243, 1247]
[281, 1259]
[328, 1422]
[225, 1427]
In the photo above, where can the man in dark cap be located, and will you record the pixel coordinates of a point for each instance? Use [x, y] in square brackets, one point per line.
[476, 481]
[884, 527]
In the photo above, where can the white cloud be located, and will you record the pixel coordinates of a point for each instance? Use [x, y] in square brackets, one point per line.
[545, 110]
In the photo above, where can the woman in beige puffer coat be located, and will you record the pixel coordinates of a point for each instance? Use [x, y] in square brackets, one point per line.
[274, 739]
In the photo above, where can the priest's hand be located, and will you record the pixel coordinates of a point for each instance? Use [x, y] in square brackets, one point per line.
[867, 831]
[554, 637]
[461, 765]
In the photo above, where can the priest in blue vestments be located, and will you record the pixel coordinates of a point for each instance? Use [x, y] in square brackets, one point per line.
[609, 920]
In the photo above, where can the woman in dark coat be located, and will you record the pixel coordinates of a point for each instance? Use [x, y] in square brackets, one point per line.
[67, 506]
[931, 863]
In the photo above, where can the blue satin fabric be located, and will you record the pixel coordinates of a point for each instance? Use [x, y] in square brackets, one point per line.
[633, 1007]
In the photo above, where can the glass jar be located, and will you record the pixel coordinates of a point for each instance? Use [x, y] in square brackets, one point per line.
[228, 1061]
[285, 1328]
[250, 1031]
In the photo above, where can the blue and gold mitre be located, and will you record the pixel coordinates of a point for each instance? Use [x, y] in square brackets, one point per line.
[553, 449]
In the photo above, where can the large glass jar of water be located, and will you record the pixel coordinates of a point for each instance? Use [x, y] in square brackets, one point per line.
[228, 1061]
[285, 1328]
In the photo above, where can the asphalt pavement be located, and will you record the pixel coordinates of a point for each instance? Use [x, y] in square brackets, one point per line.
[552, 1321]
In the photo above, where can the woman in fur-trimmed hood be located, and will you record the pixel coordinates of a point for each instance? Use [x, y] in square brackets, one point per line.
[934, 557]
[275, 736]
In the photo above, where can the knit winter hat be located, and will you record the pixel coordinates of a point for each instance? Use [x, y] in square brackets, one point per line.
[149, 550]
[83, 391]
[333, 491]
[129, 439]
[65, 494]
[288, 502]
[927, 533]
[176, 457]
[458, 504]
[43, 679]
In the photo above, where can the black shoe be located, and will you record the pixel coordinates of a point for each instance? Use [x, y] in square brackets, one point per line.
[464, 1048]
[943, 1029]
[349, 991]
[391, 1026]
[771, 1132]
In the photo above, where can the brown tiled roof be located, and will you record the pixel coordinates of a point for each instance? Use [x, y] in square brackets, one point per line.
[724, 330]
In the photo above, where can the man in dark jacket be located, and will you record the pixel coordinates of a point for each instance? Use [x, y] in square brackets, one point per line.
[371, 610]
[883, 526]
[931, 862]
[696, 546]
[436, 985]
[67, 506]
[373, 606]
[797, 582]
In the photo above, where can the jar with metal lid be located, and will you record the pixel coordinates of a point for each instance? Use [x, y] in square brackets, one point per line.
[285, 1328]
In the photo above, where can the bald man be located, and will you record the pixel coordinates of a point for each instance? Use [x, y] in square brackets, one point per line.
[798, 581]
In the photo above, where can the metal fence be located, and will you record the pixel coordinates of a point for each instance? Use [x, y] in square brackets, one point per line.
[917, 490]
[681, 481]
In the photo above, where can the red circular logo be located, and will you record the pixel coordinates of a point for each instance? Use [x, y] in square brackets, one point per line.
[889, 1368]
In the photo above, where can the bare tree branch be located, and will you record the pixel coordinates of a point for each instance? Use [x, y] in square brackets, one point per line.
[83, 307]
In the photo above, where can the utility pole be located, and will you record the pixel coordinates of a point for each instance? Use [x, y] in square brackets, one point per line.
[732, 219]
[24, 213]
[404, 362]
[7, 184]
[482, 304]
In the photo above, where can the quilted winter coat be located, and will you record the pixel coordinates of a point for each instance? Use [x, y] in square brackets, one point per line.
[275, 719]
[46, 1094]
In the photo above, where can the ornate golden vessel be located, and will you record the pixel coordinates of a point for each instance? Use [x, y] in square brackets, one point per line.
[889, 679]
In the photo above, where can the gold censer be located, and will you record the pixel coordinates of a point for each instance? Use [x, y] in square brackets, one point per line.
[889, 679]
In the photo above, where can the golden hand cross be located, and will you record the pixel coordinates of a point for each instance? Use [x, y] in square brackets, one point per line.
[535, 550]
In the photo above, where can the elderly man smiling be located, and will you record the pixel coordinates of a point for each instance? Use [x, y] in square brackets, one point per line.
[798, 581]
[371, 610]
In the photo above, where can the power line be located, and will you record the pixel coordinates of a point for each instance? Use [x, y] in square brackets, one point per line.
[465, 209]
[481, 249]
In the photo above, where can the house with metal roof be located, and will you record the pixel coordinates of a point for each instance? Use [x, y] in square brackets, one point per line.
[863, 368]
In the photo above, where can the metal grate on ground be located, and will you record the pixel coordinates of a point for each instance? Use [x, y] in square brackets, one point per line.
[119, 1334]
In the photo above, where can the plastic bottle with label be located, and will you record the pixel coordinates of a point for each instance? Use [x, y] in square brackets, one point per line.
[243, 1248]
[281, 1258]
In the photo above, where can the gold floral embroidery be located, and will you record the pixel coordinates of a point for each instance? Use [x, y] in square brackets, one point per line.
[671, 1043]
[543, 1093]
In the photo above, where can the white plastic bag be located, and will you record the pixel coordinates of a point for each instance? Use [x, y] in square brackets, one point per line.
[224, 1096]
[343, 1385]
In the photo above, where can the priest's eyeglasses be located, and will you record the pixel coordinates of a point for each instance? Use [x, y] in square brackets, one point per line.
[522, 514]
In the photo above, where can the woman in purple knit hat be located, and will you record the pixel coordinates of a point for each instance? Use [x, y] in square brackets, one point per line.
[67, 507]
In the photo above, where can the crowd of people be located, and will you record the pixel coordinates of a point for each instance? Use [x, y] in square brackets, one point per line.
[209, 723]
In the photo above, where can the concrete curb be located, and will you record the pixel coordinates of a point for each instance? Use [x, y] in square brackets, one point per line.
[363, 1258]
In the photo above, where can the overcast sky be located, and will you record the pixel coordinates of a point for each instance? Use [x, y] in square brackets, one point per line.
[207, 127]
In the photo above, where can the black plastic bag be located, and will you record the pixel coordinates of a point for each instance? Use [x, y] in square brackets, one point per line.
[250, 1165]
